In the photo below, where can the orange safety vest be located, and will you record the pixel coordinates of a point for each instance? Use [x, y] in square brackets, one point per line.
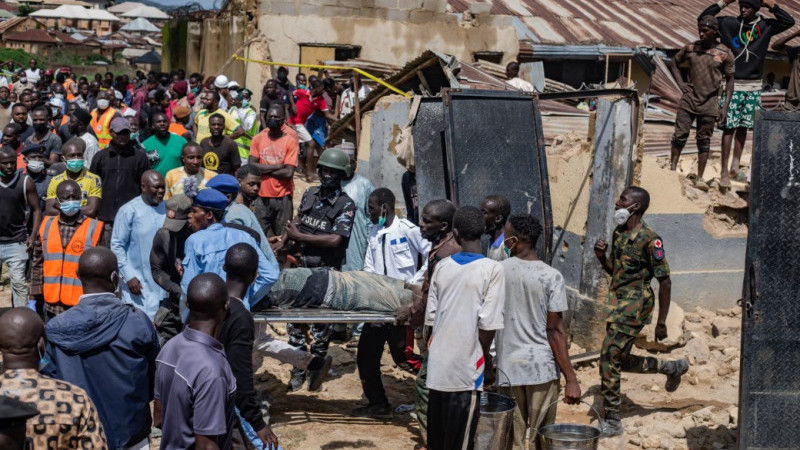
[101, 126]
[68, 87]
[60, 267]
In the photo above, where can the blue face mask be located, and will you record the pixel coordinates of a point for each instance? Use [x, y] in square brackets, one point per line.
[70, 207]
[43, 361]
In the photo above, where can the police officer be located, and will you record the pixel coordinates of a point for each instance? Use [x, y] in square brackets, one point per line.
[637, 255]
[321, 231]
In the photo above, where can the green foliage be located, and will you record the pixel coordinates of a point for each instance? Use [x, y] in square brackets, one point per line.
[15, 54]
[25, 10]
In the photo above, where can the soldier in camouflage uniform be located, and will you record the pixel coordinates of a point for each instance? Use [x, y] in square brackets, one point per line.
[637, 255]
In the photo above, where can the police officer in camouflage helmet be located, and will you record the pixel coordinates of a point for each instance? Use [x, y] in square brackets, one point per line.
[637, 255]
[321, 231]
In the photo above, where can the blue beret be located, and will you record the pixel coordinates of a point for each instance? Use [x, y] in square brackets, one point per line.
[224, 183]
[211, 198]
[33, 148]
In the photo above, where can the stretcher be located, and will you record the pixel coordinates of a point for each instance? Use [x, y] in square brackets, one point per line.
[310, 315]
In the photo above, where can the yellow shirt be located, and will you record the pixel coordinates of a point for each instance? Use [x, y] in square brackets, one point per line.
[201, 120]
[91, 185]
[176, 177]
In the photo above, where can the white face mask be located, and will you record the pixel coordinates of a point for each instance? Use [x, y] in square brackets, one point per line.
[103, 103]
[35, 166]
[621, 216]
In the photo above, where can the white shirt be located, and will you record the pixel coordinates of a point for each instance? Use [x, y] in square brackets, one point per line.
[92, 147]
[394, 251]
[33, 75]
[524, 356]
[466, 295]
[521, 84]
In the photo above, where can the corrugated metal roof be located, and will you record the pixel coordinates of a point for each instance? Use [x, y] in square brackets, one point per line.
[668, 24]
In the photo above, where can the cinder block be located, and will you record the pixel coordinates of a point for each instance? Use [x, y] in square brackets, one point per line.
[309, 10]
[372, 13]
[446, 18]
[338, 11]
[282, 8]
[479, 8]
[421, 16]
[397, 15]
[386, 4]
[409, 4]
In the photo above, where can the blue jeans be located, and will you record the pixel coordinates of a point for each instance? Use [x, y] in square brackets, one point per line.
[249, 431]
[15, 255]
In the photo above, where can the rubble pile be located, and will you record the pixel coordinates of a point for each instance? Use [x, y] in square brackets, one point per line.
[703, 412]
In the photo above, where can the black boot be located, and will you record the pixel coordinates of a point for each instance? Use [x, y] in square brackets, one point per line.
[674, 370]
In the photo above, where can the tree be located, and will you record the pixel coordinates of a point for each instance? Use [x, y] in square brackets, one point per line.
[24, 10]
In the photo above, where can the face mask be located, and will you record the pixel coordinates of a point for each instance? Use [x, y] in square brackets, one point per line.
[134, 136]
[4, 102]
[621, 216]
[282, 77]
[274, 124]
[35, 166]
[43, 359]
[301, 86]
[195, 90]
[74, 165]
[70, 207]
[23, 80]
[42, 128]
[56, 111]
[245, 103]
[115, 280]
[506, 248]
[103, 103]
[382, 219]
[8, 174]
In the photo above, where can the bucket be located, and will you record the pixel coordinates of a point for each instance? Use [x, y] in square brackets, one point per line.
[568, 436]
[494, 424]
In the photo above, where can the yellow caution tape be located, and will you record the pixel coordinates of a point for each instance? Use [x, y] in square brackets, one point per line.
[319, 66]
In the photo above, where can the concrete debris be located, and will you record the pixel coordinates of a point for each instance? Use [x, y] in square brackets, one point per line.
[675, 335]
[703, 412]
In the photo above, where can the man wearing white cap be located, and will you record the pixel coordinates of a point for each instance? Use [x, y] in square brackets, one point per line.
[221, 83]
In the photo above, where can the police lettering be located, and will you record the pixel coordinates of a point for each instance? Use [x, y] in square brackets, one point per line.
[319, 224]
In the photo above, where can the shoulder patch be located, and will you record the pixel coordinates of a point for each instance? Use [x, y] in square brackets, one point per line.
[658, 250]
[658, 244]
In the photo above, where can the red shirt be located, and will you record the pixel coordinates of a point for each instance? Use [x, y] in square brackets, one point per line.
[281, 151]
[305, 106]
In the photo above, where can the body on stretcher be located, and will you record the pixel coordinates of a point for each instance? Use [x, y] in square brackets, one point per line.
[322, 315]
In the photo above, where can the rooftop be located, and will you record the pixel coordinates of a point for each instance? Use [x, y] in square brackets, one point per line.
[147, 12]
[75, 12]
[140, 25]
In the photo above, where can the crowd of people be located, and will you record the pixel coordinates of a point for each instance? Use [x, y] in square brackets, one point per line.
[143, 220]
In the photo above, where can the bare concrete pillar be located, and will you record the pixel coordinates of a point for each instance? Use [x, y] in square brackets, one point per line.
[614, 158]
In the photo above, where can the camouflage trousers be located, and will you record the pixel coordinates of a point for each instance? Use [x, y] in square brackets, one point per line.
[321, 332]
[615, 357]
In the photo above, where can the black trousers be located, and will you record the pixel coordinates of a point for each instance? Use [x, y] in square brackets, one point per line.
[452, 419]
[370, 349]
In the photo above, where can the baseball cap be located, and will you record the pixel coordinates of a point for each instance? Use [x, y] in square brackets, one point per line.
[178, 207]
[227, 184]
[120, 124]
[211, 199]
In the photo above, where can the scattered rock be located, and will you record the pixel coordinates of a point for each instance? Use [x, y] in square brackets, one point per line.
[697, 349]
[655, 388]
[675, 338]
[725, 326]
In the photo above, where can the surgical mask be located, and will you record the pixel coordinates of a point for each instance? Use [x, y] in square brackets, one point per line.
[70, 207]
[56, 111]
[5, 101]
[245, 103]
[621, 216]
[274, 124]
[74, 165]
[134, 136]
[35, 166]
[23, 80]
[506, 248]
[103, 103]
[382, 219]
[8, 174]
[43, 359]
[301, 86]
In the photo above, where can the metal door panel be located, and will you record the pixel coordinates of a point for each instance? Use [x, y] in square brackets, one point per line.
[769, 400]
[495, 145]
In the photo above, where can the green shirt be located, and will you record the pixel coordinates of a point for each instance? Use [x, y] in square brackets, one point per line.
[636, 257]
[169, 151]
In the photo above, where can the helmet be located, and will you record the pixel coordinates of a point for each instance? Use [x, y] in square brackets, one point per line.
[221, 82]
[335, 158]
